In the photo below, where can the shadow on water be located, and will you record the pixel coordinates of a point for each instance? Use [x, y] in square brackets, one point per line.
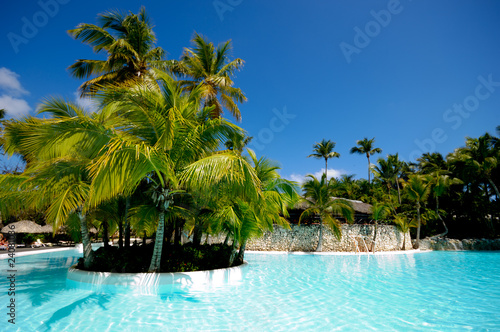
[91, 300]
[44, 281]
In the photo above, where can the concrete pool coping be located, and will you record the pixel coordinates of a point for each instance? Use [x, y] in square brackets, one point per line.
[338, 253]
[334, 253]
[34, 251]
[152, 280]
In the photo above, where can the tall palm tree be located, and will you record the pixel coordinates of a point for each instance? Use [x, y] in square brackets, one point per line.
[365, 146]
[211, 67]
[324, 150]
[399, 169]
[385, 173]
[389, 172]
[129, 44]
[318, 196]
[418, 189]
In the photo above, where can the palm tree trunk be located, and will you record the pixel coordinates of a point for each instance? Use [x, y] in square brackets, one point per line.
[320, 240]
[88, 254]
[368, 156]
[127, 224]
[233, 252]
[374, 237]
[326, 169]
[417, 242]
[399, 192]
[197, 233]
[179, 226]
[442, 220]
[144, 239]
[120, 233]
[494, 187]
[105, 237]
[160, 234]
[404, 241]
[226, 240]
[241, 253]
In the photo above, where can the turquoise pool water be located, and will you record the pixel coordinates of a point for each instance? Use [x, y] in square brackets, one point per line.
[436, 291]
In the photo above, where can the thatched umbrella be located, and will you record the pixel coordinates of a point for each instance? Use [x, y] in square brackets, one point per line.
[47, 229]
[23, 226]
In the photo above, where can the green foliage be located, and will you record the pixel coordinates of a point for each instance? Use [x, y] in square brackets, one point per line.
[174, 259]
[318, 196]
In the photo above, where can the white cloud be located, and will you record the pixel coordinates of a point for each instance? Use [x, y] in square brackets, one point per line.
[12, 90]
[9, 83]
[300, 178]
[86, 103]
[14, 107]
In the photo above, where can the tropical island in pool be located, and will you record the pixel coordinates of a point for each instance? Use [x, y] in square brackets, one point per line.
[160, 163]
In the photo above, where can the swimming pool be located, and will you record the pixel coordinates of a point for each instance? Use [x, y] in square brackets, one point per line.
[432, 291]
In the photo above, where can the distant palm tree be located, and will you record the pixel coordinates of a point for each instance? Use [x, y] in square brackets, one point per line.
[390, 171]
[404, 224]
[318, 195]
[2, 113]
[211, 67]
[435, 166]
[129, 42]
[366, 147]
[379, 211]
[481, 158]
[324, 150]
[418, 188]
[400, 167]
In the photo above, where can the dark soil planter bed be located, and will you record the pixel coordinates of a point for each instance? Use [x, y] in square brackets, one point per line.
[184, 258]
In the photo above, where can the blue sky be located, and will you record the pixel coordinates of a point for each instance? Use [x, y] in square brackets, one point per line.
[419, 75]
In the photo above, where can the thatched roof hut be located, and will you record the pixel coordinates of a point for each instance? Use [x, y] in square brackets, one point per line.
[362, 211]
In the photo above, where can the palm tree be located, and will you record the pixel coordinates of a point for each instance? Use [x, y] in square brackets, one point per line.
[365, 146]
[480, 157]
[346, 186]
[435, 166]
[384, 173]
[172, 143]
[404, 225]
[211, 68]
[379, 211]
[399, 169]
[58, 151]
[129, 43]
[418, 190]
[324, 150]
[318, 195]
[390, 171]
[277, 196]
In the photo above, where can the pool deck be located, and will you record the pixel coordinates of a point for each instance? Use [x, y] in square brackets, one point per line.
[23, 251]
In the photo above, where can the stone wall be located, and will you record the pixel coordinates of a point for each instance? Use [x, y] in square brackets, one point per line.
[305, 238]
[454, 244]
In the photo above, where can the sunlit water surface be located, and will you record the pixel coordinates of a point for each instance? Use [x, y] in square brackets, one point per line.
[436, 291]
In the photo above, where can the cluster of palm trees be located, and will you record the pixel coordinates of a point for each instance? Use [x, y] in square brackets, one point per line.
[152, 158]
[456, 196]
